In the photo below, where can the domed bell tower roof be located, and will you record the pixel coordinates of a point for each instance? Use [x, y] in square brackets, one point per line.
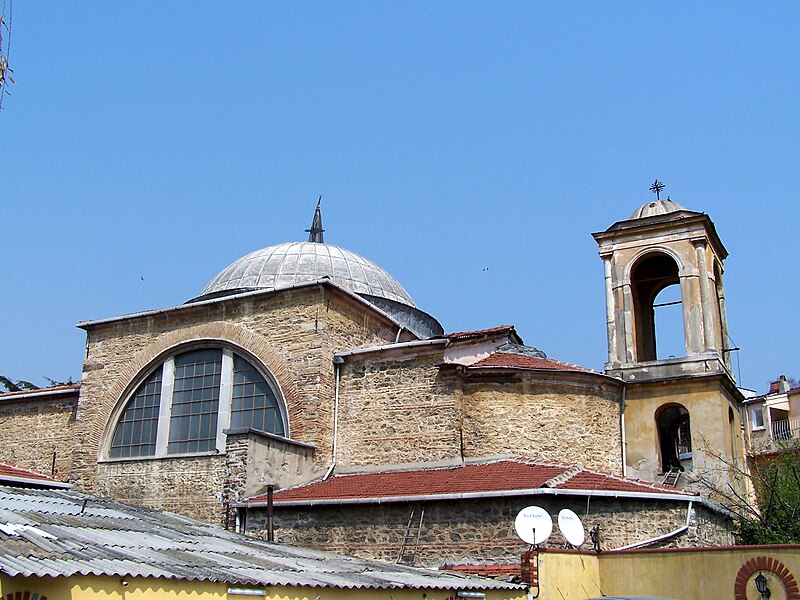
[653, 209]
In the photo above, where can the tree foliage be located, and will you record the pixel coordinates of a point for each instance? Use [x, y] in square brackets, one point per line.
[775, 516]
[5, 48]
[16, 386]
[21, 385]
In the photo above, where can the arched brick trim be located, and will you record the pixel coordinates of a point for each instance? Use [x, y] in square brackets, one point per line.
[238, 337]
[765, 563]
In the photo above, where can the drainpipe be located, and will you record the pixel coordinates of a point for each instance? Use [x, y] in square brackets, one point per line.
[622, 428]
[666, 536]
[337, 363]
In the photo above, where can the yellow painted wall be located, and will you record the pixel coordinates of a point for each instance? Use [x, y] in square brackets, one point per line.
[703, 574]
[112, 588]
[568, 576]
[714, 435]
[690, 575]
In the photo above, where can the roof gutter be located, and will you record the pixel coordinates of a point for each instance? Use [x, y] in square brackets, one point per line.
[38, 483]
[41, 392]
[477, 495]
[384, 347]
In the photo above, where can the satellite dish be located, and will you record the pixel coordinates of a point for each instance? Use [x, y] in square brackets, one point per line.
[571, 527]
[533, 524]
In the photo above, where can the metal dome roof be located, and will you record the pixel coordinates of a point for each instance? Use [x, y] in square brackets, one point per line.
[652, 209]
[300, 262]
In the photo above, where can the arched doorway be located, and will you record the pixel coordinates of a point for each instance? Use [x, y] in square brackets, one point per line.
[674, 438]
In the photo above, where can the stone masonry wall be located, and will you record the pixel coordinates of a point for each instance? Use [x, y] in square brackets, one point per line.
[294, 334]
[187, 486]
[397, 410]
[549, 421]
[39, 428]
[479, 531]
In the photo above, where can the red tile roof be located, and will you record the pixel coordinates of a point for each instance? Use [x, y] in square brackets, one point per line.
[12, 473]
[481, 478]
[43, 391]
[523, 361]
[463, 335]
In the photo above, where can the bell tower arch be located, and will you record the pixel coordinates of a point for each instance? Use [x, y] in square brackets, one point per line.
[668, 341]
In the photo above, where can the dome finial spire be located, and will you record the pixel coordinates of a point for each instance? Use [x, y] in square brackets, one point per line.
[315, 233]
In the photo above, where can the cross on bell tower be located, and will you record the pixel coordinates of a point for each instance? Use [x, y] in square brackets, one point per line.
[656, 188]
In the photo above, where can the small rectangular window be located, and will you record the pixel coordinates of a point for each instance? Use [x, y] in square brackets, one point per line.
[757, 420]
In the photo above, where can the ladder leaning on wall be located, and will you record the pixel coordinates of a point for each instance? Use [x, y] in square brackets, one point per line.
[671, 477]
[411, 537]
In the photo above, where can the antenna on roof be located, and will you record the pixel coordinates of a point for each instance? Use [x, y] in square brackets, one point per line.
[315, 233]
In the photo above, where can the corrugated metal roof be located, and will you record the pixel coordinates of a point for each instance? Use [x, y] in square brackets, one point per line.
[65, 533]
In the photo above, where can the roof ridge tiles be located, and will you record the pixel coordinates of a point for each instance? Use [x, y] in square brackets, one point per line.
[479, 332]
[563, 477]
[505, 359]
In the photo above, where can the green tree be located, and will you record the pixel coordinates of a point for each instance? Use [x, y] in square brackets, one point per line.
[774, 516]
[23, 386]
[16, 386]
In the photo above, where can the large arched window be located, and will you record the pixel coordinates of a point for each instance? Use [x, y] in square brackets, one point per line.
[186, 403]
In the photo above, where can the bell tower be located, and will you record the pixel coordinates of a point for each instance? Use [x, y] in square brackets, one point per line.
[663, 270]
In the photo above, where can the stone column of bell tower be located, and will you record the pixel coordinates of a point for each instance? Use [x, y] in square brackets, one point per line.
[681, 412]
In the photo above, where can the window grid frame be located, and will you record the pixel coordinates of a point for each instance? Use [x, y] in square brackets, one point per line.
[269, 401]
[194, 420]
[147, 397]
[166, 445]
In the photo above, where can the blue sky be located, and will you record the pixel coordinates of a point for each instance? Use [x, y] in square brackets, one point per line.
[147, 145]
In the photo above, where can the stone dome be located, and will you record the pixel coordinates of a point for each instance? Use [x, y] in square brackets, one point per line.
[300, 262]
[653, 209]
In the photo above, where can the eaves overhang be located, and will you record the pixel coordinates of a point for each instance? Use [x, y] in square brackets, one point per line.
[626, 228]
[566, 374]
[677, 497]
[411, 346]
[34, 483]
[727, 382]
[41, 393]
[193, 306]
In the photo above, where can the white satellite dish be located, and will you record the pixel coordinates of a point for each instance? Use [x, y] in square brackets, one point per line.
[571, 527]
[533, 524]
